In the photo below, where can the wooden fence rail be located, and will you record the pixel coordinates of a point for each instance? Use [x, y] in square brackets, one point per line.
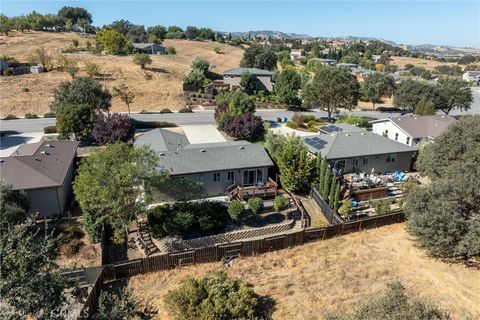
[227, 251]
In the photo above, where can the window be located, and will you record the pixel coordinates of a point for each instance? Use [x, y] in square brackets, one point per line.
[216, 176]
[391, 157]
[385, 134]
[355, 162]
[408, 140]
[396, 136]
[259, 175]
[230, 176]
[365, 161]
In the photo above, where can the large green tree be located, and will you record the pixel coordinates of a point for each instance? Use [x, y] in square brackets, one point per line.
[445, 215]
[112, 41]
[451, 93]
[74, 14]
[109, 185]
[259, 56]
[247, 83]
[81, 91]
[287, 84]
[201, 64]
[76, 120]
[332, 89]
[410, 92]
[296, 166]
[376, 86]
[233, 103]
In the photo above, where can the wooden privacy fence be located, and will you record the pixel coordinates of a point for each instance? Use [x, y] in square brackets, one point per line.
[227, 251]
[327, 212]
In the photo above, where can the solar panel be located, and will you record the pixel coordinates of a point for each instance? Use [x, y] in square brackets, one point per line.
[330, 128]
[315, 142]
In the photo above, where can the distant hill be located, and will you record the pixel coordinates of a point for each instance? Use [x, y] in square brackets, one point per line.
[269, 33]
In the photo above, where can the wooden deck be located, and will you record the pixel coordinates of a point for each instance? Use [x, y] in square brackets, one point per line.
[269, 190]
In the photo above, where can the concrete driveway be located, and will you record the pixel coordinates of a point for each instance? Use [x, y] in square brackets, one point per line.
[203, 134]
[10, 142]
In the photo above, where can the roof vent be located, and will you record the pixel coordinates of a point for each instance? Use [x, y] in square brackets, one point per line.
[348, 135]
[2, 161]
[203, 150]
[242, 148]
[36, 159]
[162, 154]
[49, 145]
[44, 152]
[364, 134]
[415, 118]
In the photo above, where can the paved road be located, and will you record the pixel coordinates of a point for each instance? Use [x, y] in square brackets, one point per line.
[201, 117]
[206, 117]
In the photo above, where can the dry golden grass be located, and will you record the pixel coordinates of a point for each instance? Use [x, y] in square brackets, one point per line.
[337, 275]
[158, 87]
[424, 63]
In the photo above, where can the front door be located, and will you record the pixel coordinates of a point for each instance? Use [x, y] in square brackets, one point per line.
[248, 177]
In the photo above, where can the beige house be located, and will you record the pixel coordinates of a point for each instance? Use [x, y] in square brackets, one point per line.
[263, 78]
[44, 170]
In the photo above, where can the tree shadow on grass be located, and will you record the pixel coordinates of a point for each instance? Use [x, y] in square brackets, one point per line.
[158, 70]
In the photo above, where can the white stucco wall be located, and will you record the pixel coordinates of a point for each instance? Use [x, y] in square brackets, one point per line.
[393, 132]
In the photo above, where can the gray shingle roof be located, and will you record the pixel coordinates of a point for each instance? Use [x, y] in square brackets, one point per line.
[39, 165]
[422, 126]
[342, 127]
[207, 157]
[356, 144]
[254, 71]
[162, 140]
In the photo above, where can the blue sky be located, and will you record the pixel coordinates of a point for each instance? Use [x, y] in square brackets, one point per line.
[455, 23]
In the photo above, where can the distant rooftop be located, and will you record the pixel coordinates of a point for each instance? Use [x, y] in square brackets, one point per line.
[254, 71]
[144, 45]
[339, 127]
[353, 144]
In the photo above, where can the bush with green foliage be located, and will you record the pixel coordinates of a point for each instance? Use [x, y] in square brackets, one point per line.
[255, 205]
[186, 217]
[49, 115]
[50, 129]
[123, 305]
[10, 117]
[279, 203]
[236, 210]
[76, 120]
[165, 110]
[381, 206]
[25, 89]
[92, 69]
[394, 305]
[195, 78]
[346, 209]
[443, 215]
[362, 122]
[376, 86]
[170, 50]
[232, 103]
[214, 296]
[8, 72]
[200, 64]
[185, 110]
[142, 59]
[410, 92]
[425, 107]
[112, 41]
[247, 83]
[30, 116]
[287, 85]
[260, 57]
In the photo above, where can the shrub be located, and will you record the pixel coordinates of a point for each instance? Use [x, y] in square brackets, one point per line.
[50, 130]
[214, 296]
[153, 124]
[166, 110]
[185, 110]
[195, 78]
[10, 117]
[218, 50]
[71, 248]
[236, 209]
[123, 305]
[279, 203]
[244, 127]
[8, 72]
[113, 127]
[31, 116]
[255, 205]
[49, 115]
[71, 232]
[291, 125]
[381, 206]
[200, 64]
[142, 59]
[170, 50]
[25, 89]
[346, 209]
[308, 118]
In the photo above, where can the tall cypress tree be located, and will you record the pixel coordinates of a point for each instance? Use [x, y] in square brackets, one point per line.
[323, 170]
[331, 194]
[326, 184]
[337, 197]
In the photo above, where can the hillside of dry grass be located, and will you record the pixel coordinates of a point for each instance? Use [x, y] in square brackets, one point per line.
[337, 275]
[158, 87]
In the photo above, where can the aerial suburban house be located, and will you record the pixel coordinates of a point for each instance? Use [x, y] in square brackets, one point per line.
[44, 170]
[324, 62]
[361, 151]
[412, 130]
[296, 54]
[472, 76]
[263, 78]
[216, 166]
[150, 48]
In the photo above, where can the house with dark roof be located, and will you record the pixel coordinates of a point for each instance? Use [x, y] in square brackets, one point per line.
[150, 48]
[44, 170]
[263, 78]
[411, 130]
[216, 166]
[361, 151]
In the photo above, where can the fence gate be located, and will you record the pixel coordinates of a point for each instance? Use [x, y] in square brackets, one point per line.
[229, 251]
[182, 259]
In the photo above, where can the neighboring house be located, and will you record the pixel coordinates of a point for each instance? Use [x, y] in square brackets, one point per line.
[413, 129]
[150, 48]
[215, 165]
[347, 65]
[472, 76]
[263, 78]
[361, 152]
[295, 54]
[44, 170]
[325, 62]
